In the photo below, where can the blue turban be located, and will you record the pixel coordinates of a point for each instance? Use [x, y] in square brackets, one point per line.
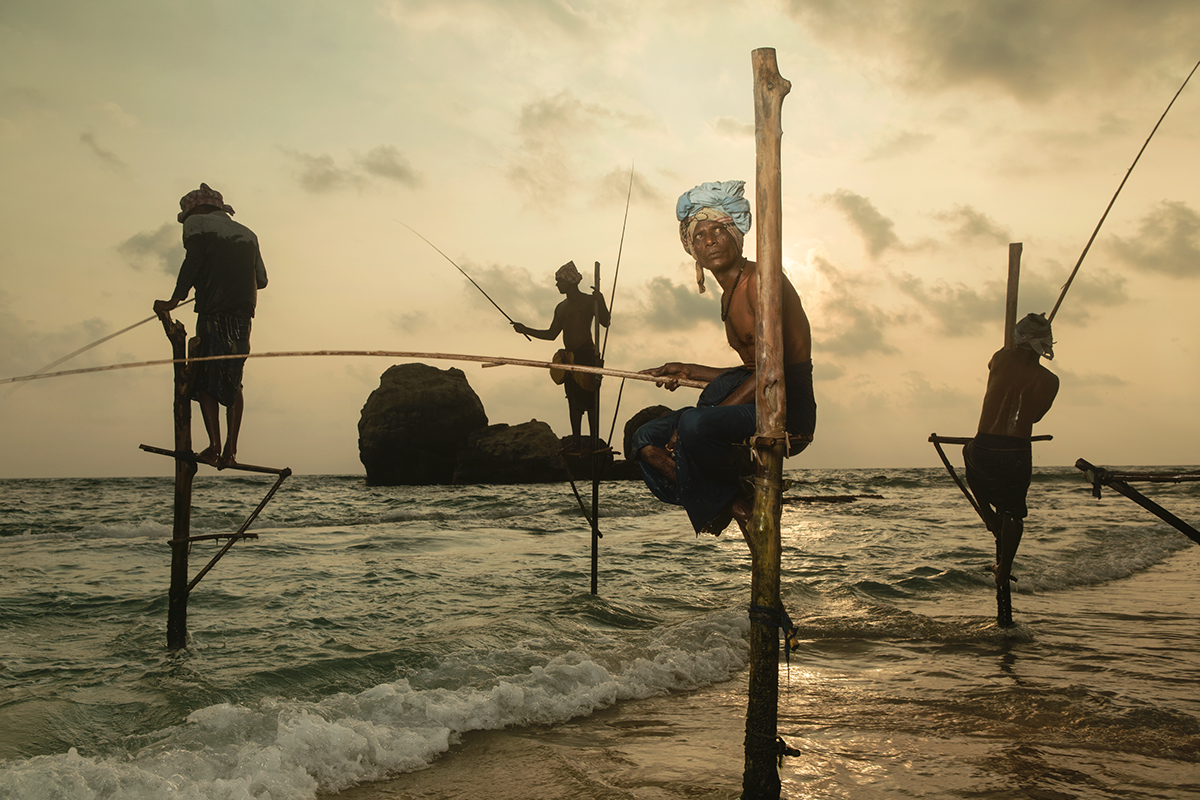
[720, 201]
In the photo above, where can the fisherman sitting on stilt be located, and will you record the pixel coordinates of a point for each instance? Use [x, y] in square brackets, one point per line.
[999, 461]
[693, 457]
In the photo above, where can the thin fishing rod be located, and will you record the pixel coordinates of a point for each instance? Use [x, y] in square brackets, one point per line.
[485, 360]
[465, 275]
[617, 270]
[1088, 246]
[100, 341]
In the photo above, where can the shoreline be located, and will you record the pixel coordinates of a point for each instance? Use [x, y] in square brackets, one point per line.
[671, 747]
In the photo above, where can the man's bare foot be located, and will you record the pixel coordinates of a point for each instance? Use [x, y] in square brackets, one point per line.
[1001, 581]
[210, 456]
[226, 460]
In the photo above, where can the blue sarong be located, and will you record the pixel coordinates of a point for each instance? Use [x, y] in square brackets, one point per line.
[709, 457]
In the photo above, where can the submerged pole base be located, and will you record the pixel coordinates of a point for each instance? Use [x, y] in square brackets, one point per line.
[1004, 606]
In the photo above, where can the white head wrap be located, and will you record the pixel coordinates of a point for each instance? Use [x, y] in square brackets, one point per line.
[1034, 332]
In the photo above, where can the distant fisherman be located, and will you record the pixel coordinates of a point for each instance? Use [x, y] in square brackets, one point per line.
[573, 319]
[999, 460]
[693, 457]
[224, 266]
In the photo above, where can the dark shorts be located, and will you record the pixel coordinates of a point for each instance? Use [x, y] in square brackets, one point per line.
[221, 335]
[998, 471]
[581, 386]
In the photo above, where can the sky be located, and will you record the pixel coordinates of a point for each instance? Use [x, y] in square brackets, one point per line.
[920, 139]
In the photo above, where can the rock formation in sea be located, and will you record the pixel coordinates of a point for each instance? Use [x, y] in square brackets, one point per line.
[425, 425]
[412, 425]
[525, 453]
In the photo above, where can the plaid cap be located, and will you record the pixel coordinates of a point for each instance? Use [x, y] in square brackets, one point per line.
[204, 196]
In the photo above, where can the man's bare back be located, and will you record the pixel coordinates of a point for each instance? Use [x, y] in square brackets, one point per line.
[1019, 393]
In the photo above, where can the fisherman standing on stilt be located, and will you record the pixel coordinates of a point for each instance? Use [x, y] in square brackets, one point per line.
[225, 267]
[573, 319]
[999, 460]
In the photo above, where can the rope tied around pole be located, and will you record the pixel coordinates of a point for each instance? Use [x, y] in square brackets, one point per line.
[770, 617]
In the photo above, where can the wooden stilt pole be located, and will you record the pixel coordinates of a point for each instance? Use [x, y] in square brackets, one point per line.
[760, 779]
[185, 470]
[1010, 303]
[1004, 593]
[594, 424]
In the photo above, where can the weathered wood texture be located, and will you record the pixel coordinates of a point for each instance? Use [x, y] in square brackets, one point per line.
[185, 470]
[760, 779]
[1010, 304]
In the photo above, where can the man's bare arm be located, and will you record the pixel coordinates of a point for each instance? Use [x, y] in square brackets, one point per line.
[550, 334]
[674, 371]
[605, 316]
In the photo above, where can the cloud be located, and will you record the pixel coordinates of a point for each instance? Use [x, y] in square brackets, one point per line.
[1091, 380]
[529, 17]
[109, 158]
[969, 226]
[925, 395]
[521, 295]
[1167, 242]
[321, 174]
[1091, 290]
[386, 161]
[617, 185]
[25, 349]
[959, 310]
[956, 310]
[732, 128]
[162, 247]
[852, 326]
[664, 305]
[902, 144]
[1031, 49]
[551, 130]
[876, 230]
[410, 323]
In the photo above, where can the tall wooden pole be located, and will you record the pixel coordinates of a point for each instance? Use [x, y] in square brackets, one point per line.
[185, 470]
[760, 779]
[594, 424]
[1010, 304]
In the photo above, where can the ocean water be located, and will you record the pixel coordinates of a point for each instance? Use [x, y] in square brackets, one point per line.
[439, 642]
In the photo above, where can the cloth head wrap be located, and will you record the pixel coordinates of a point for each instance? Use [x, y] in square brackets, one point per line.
[1034, 332]
[568, 272]
[720, 201]
[204, 196]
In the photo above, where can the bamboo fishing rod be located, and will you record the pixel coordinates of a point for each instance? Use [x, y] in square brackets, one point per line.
[487, 361]
[1104, 216]
[465, 275]
[617, 270]
[102, 340]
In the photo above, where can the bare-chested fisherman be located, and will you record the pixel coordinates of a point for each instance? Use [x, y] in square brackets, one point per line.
[999, 460]
[693, 457]
[573, 319]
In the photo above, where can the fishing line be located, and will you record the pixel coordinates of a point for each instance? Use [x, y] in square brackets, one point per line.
[100, 341]
[612, 299]
[465, 275]
[617, 270]
[1088, 246]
